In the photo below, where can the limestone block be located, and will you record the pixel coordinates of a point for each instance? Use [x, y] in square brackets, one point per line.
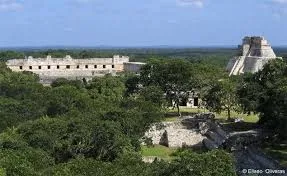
[203, 127]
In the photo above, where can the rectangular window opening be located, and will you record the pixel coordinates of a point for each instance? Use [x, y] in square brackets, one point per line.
[49, 67]
[78, 66]
[58, 66]
[95, 66]
[104, 66]
[30, 67]
[68, 66]
[87, 66]
[113, 66]
[39, 67]
[21, 67]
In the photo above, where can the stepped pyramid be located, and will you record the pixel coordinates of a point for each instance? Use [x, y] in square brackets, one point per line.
[255, 52]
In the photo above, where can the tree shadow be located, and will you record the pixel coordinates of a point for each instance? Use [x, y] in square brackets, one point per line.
[174, 114]
[239, 126]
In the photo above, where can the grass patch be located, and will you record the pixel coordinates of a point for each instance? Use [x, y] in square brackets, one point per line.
[171, 119]
[172, 114]
[158, 151]
[188, 110]
[253, 118]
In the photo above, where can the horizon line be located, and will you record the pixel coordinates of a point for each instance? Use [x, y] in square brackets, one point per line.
[127, 47]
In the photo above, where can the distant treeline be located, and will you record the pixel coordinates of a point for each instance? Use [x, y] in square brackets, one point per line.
[215, 56]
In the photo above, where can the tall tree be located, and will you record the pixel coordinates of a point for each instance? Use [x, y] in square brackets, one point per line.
[222, 97]
[173, 76]
[265, 93]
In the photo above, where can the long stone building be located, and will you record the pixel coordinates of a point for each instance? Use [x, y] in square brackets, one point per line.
[255, 52]
[50, 68]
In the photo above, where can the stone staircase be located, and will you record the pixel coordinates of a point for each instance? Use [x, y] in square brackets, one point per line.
[214, 136]
[238, 66]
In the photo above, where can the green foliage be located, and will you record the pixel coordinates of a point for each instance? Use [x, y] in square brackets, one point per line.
[152, 94]
[10, 139]
[127, 165]
[2, 172]
[79, 167]
[211, 163]
[24, 162]
[216, 162]
[172, 76]
[158, 151]
[5, 55]
[222, 97]
[132, 84]
[205, 74]
[21, 98]
[267, 92]
[63, 99]
[64, 82]
[110, 88]
[90, 128]
[67, 139]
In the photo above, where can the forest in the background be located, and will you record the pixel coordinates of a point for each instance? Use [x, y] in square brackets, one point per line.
[218, 56]
[215, 56]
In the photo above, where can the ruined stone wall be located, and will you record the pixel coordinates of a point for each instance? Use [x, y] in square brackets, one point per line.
[52, 68]
[60, 64]
[174, 135]
[200, 130]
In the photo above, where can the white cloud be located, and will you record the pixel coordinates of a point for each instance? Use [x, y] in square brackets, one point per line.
[193, 3]
[10, 5]
[280, 1]
[279, 8]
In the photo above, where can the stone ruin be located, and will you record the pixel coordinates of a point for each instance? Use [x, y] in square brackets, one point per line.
[49, 69]
[200, 130]
[255, 52]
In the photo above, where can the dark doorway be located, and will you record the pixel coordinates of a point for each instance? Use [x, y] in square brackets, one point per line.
[196, 102]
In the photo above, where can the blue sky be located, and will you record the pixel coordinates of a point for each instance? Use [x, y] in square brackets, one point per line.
[140, 22]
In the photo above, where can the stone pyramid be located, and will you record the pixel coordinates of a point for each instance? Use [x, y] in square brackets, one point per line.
[255, 52]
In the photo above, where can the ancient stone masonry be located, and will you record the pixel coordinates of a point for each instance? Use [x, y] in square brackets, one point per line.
[198, 131]
[255, 53]
[50, 68]
[174, 135]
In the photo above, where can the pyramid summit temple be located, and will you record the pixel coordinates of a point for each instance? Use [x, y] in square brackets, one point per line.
[255, 52]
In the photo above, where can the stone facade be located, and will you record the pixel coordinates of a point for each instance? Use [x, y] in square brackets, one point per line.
[255, 53]
[50, 68]
[189, 99]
